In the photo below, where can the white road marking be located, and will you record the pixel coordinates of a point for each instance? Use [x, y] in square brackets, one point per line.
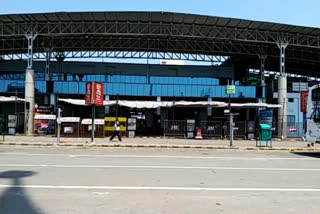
[159, 167]
[157, 156]
[161, 188]
[100, 193]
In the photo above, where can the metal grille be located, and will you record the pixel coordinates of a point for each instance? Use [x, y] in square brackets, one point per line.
[174, 128]
[240, 129]
[211, 129]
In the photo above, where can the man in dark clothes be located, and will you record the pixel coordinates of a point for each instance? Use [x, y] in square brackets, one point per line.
[116, 130]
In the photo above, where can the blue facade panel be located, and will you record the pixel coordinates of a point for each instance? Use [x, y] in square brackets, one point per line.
[40, 86]
[126, 79]
[138, 86]
[184, 81]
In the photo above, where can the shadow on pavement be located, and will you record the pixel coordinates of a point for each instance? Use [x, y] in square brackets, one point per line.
[14, 199]
[308, 154]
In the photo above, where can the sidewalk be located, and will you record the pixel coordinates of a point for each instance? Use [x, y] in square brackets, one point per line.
[157, 142]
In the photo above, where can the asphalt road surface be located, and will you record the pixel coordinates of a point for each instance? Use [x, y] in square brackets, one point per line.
[82, 181]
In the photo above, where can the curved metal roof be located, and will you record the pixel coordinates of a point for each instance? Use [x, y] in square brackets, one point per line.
[157, 31]
[163, 17]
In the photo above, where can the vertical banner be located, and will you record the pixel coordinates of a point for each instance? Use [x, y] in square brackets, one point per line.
[303, 101]
[88, 93]
[98, 94]
[94, 93]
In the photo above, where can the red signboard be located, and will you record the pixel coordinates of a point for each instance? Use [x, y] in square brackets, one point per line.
[98, 94]
[303, 101]
[88, 93]
[94, 93]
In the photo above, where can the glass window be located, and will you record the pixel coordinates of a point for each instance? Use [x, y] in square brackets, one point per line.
[315, 94]
[291, 118]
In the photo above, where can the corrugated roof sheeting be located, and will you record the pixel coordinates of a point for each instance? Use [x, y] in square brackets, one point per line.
[164, 17]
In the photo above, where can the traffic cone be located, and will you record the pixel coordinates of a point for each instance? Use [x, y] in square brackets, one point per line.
[199, 134]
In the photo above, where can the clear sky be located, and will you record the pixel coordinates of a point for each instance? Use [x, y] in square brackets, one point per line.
[296, 12]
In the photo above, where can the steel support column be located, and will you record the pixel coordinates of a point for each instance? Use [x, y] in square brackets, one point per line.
[263, 61]
[282, 92]
[29, 87]
[262, 99]
[47, 71]
[60, 58]
[47, 75]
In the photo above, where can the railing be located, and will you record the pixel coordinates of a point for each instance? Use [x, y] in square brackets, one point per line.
[174, 128]
[241, 129]
[211, 129]
[294, 130]
[220, 129]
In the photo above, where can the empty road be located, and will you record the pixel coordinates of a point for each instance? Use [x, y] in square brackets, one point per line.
[128, 180]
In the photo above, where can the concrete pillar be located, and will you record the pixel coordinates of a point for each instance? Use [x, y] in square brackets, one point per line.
[29, 87]
[247, 114]
[47, 99]
[29, 98]
[158, 109]
[282, 112]
[209, 108]
[282, 92]
[53, 100]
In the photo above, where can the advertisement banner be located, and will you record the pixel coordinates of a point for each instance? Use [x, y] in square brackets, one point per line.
[98, 94]
[90, 127]
[303, 101]
[44, 126]
[88, 93]
[265, 116]
[132, 124]
[94, 93]
[12, 121]
[68, 130]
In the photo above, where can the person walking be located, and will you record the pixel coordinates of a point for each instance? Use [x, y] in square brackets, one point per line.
[116, 130]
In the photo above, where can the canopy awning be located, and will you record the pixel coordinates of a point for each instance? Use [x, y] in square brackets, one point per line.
[156, 104]
[4, 99]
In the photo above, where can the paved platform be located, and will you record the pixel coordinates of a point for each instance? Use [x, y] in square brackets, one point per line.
[157, 142]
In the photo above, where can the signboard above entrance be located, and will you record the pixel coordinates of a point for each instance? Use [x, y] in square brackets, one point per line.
[44, 109]
[230, 89]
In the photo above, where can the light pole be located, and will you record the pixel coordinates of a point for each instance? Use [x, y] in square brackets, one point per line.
[230, 89]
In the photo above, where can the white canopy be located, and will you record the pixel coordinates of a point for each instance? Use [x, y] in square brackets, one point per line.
[255, 105]
[89, 121]
[82, 102]
[10, 99]
[156, 104]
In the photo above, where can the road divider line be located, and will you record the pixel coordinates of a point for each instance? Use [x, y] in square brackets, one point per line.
[161, 188]
[159, 167]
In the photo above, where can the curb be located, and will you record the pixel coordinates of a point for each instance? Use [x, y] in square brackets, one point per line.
[162, 146]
